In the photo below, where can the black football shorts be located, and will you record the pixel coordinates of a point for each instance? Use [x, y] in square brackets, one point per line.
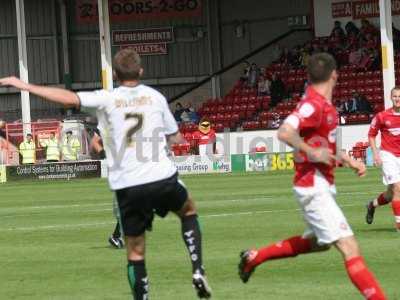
[138, 204]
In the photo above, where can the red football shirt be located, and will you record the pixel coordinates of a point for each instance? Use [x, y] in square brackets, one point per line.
[388, 123]
[204, 139]
[316, 120]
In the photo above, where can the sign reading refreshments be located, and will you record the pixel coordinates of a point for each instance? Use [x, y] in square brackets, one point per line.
[130, 10]
[151, 41]
[143, 36]
[67, 170]
[361, 9]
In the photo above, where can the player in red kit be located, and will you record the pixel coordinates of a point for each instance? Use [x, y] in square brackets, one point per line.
[311, 131]
[204, 138]
[388, 123]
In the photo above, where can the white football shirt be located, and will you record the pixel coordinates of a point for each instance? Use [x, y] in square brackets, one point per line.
[133, 122]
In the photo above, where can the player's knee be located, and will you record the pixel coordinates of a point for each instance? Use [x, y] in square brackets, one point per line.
[348, 247]
[188, 208]
[396, 190]
[135, 248]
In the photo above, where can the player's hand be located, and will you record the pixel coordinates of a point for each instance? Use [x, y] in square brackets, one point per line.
[15, 82]
[377, 160]
[322, 155]
[359, 167]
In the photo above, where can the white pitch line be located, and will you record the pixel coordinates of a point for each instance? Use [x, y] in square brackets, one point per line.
[199, 202]
[83, 225]
[25, 208]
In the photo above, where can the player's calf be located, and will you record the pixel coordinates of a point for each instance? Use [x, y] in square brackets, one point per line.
[191, 235]
[396, 213]
[357, 270]
[138, 281]
[291, 247]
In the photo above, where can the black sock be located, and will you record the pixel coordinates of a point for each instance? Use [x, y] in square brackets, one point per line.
[117, 232]
[138, 281]
[192, 236]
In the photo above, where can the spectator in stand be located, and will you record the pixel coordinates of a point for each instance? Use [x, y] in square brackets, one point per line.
[335, 44]
[264, 86]
[178, 112]
[253, 76]
[295, 57]
[276, 53]
[337, 30]
[305, 54]
[371, 41]
[352, 105]
[189, 114]
[375, 63]
[246, 72]
[352, 30]
[277, 91]
[370, 59]
[336, 39]
[363, 105]
[262, 71]
[353, 42]
[368, 28]
[284, 59]
[275, 122]
[355, 56]
[339, 106]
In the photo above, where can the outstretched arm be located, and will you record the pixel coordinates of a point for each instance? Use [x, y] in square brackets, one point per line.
[52, 94]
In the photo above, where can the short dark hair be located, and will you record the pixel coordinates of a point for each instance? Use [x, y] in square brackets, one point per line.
[29, 134]
[320, 67]
[127, 64]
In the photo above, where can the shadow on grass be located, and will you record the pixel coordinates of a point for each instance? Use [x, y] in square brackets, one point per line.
[371, 229]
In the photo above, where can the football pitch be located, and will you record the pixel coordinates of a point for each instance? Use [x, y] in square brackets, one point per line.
[53, 241]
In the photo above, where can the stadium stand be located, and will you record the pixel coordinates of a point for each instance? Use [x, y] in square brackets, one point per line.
[242, 107]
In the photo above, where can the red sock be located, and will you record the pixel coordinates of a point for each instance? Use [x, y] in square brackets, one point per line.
[396, 212]
[363, 279]
[382, 200]
[287, 248]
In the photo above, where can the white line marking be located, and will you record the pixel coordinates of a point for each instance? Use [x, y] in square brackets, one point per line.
[275, 197]
[83, 225]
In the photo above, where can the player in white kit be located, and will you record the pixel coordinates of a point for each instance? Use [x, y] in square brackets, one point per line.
[135, 123]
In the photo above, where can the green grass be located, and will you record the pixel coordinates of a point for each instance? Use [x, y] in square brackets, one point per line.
[53, 241]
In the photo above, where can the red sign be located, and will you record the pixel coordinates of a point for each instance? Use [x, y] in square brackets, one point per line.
[361, 9]
[365, 9]
[143, 36]
[149, 49]
[341, 9]
[130, 10]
